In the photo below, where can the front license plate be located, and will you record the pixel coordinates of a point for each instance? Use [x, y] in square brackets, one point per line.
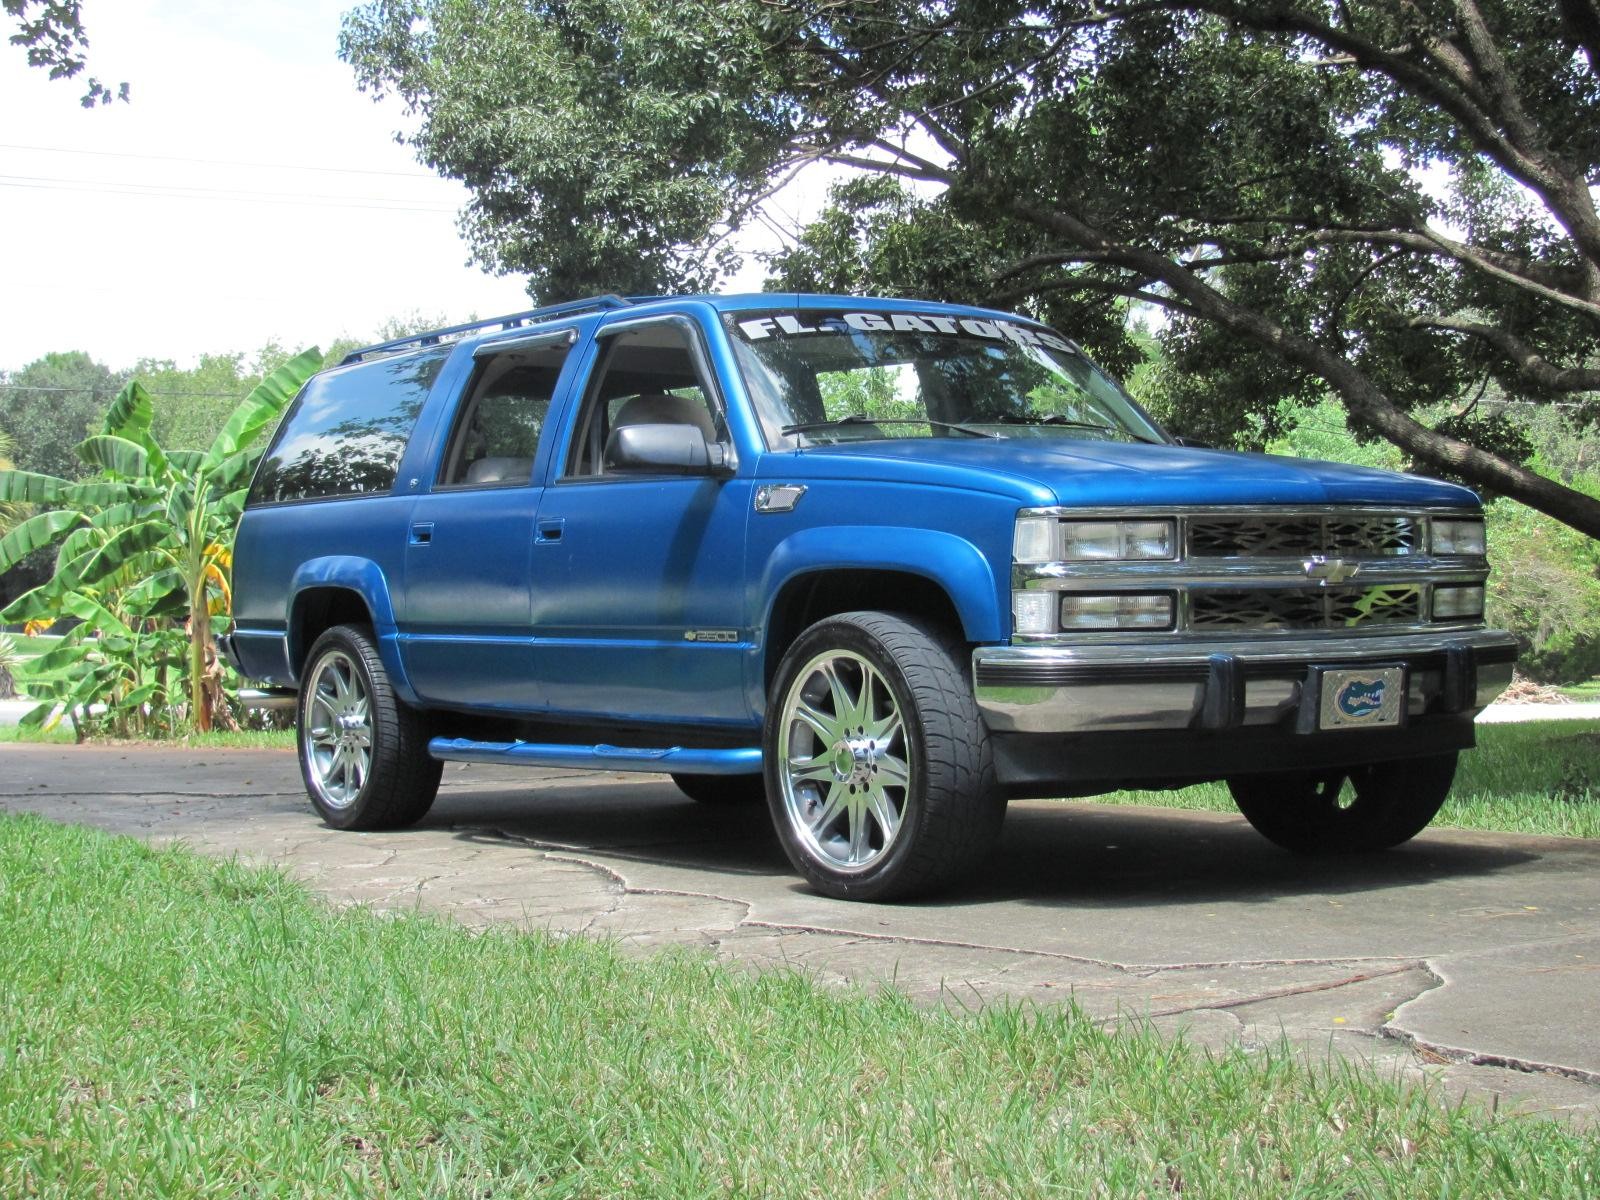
[1362, 699]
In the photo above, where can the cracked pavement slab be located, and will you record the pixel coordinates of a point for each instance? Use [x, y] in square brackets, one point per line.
[1472, 959]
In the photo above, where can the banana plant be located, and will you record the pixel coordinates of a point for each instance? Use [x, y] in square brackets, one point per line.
[144, 546]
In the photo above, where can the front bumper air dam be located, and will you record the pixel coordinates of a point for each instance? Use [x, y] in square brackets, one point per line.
[1214, 686]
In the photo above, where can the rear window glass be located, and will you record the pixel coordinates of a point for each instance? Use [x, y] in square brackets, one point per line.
[346, 431]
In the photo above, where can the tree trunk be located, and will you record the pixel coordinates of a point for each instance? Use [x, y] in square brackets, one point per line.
[199, 636]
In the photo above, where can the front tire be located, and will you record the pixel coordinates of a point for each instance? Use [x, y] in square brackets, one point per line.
[363, 754]
[878, 768]
[1353, 811]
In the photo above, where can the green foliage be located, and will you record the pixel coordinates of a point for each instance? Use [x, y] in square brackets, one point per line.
[50, 405]
[1388, 203]
[193, 403]
[9, 660]
[144, 550]
[52, 31]
[1544, 579]
[1545, 588]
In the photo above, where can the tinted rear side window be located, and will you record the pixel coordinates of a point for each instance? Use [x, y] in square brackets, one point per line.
[346, 431]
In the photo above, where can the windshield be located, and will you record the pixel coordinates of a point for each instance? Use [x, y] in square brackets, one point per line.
[823, 376]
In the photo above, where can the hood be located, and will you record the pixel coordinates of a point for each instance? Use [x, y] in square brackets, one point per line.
[1081, 473]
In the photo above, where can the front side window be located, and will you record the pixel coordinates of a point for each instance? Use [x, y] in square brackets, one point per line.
[824, 376]
[347, 429]
[645, 376]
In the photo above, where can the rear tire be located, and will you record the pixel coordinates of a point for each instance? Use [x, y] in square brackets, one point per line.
[363, 754]
[878, 768]
[725, 790]
[1353, 811]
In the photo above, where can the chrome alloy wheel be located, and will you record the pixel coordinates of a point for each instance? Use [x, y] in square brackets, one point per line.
[844, 771]
[337, 737]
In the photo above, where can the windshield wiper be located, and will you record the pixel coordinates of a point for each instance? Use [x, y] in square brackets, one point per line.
[863, 419]
[1069, 423]
[1054, 419]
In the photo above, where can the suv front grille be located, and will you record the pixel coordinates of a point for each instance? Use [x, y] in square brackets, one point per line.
[1305, 608]
[1266, 536]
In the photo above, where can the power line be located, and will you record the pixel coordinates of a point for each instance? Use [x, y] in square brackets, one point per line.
[160, 191]
[216, 162]
[111, 391]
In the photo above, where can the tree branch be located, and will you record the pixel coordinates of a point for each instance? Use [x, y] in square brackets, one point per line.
[1360, 395]
[1532, 365]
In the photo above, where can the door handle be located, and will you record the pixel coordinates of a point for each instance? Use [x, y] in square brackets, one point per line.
[549, 532]
[422, 533]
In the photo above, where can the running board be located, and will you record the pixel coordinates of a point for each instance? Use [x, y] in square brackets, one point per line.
[746, 760]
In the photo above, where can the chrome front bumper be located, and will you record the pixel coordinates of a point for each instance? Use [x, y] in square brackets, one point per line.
[1222, 685]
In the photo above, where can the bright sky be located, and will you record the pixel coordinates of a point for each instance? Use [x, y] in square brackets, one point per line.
[247, 192]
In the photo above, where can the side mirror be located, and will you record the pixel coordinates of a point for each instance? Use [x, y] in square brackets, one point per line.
[1194, 443]
[667, 449]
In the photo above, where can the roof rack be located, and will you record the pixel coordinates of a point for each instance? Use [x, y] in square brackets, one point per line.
[435, 337]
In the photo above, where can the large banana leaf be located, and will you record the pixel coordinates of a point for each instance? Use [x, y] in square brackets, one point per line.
[186, 462]
[115, 454]
[28, 487]
[122, 549]
[143, 596]
[94, 614]
[263, 406]
[118, 515]
[98, 493]
[36, 604]
[236, 470]
[130, 413]
[35, 533]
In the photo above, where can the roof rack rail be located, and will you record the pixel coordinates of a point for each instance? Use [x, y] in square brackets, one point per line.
[434, 337]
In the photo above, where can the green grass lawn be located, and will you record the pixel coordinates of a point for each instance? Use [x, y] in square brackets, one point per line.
[1539, 777]
[1588, 691]
[217, 739]
[172, 1026]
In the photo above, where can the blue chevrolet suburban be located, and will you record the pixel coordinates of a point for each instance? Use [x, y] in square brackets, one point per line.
[882, 563]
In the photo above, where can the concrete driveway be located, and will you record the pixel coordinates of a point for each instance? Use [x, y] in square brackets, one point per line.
[1471, 958]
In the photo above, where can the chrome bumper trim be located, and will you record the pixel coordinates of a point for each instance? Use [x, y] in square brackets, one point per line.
[1217, 684]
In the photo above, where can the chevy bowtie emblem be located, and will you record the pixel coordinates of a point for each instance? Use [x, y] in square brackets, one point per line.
[1331, 570]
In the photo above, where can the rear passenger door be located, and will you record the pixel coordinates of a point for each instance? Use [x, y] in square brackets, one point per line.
[639, 598]
[466, 636]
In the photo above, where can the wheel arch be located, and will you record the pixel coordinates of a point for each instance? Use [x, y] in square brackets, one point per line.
[341, 590]
[924, 573]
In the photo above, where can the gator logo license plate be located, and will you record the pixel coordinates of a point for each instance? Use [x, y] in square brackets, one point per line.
[1362, 699]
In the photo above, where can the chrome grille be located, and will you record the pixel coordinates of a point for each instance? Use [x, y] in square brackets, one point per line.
[1262, 535]
[1305, 608]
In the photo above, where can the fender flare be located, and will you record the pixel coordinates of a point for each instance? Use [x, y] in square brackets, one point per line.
[951, 562]
[366, 579]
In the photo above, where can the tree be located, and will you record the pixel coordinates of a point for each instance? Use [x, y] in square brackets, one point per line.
[52, 32]
[51, 405]
[147, 540]
[1388, 202]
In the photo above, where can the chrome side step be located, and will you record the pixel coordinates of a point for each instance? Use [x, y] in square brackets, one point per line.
[745, 760]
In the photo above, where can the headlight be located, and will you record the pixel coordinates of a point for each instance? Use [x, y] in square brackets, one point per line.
[1457, 603]
[1046, 539]
[1451, 536]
